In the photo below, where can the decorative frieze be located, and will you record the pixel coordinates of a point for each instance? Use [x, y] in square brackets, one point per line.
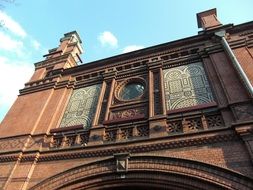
[128, 113]
[69, 140]
[126, 133]
[194, 123]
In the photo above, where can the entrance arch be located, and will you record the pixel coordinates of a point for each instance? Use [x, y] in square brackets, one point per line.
[147, 172]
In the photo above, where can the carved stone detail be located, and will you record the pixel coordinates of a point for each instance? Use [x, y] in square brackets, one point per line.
[110, 135]
[214, 121]
[69, 140]
[175, 127]
[126, 133]
[121, 162]
[143, 131]
[194, 124]
[127, 113]
[186, 86]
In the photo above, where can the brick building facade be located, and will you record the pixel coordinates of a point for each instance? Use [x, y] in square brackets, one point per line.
[173, 116]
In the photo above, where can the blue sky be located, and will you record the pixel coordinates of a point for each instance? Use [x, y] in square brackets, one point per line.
[107, 28]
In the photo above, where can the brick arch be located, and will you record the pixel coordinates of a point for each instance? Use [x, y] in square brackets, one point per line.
[148, 171]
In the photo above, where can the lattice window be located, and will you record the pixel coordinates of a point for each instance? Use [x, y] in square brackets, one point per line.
[186, 86]
[84, 139]
[127, 133]
[175, 127]
[70, 140]
[111, 135]
[214, 121]
[57, 142]
[81, 107]
[142, 131]
[193, 124]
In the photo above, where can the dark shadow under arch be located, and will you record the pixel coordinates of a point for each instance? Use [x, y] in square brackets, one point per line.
[147, 171]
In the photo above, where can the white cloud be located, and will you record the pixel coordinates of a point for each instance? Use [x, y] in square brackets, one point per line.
[107, 38]
[35, 44]
[132, 48]
[12, 25]
[9, 90]
[10, 44]
[15, 55]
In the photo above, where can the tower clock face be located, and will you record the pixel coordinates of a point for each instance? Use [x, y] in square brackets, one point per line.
[131, 90]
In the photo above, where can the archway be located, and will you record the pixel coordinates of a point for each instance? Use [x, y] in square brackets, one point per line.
[147, 172]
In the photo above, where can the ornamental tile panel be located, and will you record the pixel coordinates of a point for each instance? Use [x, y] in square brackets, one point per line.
[186, 86]
[81, 107]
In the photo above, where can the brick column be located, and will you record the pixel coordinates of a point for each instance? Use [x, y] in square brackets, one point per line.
[157, 110]
[246, 133]
[97, 132]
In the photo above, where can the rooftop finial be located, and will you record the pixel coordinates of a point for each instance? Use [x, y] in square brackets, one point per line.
[208, 19]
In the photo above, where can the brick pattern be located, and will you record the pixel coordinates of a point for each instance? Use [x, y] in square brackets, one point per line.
[157, 94]
[210, 175]
[246, 61]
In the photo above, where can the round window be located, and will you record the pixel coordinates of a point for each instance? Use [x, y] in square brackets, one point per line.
[131, 90]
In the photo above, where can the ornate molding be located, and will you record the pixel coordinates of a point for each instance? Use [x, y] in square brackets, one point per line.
[161, 169]
[139, 112]
[12, 144]
[123, 83]
[170, 143]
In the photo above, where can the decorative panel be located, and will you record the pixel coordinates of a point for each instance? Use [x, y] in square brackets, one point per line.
[104, 103]
[81, 107]
[128, 113]
[157, 93]
[186, 86]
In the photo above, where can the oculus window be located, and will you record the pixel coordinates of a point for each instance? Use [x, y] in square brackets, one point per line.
[131, 90]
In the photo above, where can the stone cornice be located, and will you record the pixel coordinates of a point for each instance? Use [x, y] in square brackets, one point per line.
[244, 27]
[142, 55]
[51, 61]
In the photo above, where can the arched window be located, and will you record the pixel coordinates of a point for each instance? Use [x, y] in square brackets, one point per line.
[186, 86]
[81, 107]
